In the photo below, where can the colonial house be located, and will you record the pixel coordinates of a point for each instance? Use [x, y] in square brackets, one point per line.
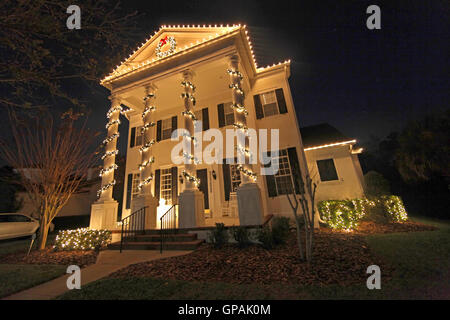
[184, 75]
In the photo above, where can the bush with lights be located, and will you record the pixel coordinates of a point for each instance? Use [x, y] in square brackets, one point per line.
[82, 239]
[346, 214]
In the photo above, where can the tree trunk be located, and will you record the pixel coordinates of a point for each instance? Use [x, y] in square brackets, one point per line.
[43, 234]
[299, 239]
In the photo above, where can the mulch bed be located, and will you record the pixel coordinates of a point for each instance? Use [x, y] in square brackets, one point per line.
[368, 227]
[48, 256]
[338, 259]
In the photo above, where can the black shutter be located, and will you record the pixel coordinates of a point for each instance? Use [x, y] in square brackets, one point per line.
[271, 186]
[174, 185]
[174, 123]
[221, 115]
[226, 180]
[157, 183]
[281, 101]
[205, 119]
[158, 130]
[129, 188]
[132, 137]
[258, 107]
[295, 169]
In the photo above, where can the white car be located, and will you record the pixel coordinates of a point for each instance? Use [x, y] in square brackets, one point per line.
[15, 225]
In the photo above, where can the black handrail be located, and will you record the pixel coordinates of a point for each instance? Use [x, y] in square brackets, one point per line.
[167, 222]
[132, 225]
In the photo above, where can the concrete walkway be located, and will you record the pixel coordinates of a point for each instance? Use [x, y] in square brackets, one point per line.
[108, 261]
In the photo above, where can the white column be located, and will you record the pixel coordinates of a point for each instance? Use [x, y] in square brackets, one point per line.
[146, 197]
[104, 210]
[248, 193]
[191, 200]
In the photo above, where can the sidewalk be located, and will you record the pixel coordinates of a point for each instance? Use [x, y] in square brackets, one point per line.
[108, 261]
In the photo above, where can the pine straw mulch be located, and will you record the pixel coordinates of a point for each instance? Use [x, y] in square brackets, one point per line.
[338, 259]
[49, 256]
[368, 227]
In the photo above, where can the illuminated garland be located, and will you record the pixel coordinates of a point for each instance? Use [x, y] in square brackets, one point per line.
[191, 157]
[191, 178]
[144, 164]
[188, 84]
[111, 138]
[110, 153]
[147, 126]
[105, 187]
[109, 124]
[147, 110]
[238, 125]
[149, 96]
[173, 46]
[146, 146]
[145, 181]
[186, 95]
[247, 172]
[107, 170]
[190, 114]
[112, 110]
[239, 108]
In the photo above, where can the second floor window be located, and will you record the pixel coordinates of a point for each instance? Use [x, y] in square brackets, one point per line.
[166, 128]
[327, 170]
[269, 103]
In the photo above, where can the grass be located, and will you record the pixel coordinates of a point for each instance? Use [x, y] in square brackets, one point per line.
[22, 244]
[421, 261]
[18, 277]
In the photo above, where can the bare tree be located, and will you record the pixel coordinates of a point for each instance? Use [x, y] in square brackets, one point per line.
[306, 201]
[52, 160]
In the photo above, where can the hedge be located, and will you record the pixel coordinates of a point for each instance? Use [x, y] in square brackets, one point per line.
[82, 239]
[346, 214]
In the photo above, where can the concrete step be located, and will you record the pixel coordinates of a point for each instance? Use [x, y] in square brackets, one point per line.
[148, 245]
[174, 237]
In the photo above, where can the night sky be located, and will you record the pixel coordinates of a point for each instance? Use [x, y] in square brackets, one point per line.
[364, 82]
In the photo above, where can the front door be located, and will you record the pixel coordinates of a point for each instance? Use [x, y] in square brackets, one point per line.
[202, 174]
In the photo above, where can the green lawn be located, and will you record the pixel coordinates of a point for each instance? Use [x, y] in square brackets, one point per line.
[421, 261]
[18, 277]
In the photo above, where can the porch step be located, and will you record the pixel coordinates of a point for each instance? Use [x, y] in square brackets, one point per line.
[173, 237]
[149, 245]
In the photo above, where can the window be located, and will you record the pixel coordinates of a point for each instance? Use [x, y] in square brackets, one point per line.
[235, 177]
[199, 115]
[283, 179]
[228, 113]
[269, 103]
[327, 170]
[166, 185]
[166, 128]
[135, 185]
[139, 136]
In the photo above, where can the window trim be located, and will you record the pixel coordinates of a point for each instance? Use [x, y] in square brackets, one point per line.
[276, 103]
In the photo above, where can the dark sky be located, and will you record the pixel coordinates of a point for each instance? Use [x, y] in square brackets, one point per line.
[364, 82]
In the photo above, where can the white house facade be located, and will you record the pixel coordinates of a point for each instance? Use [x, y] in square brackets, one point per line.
[184, 74]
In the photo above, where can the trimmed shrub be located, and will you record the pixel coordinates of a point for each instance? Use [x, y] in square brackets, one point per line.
[82, 239]
[218, 236]
[241, 235]
[346, 214]
[280, 230]
[264, 236]
[394, 208]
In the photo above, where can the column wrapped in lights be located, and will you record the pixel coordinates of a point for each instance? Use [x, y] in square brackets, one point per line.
[240, 117]
[192, 182]
[146, 153]
[109, 157]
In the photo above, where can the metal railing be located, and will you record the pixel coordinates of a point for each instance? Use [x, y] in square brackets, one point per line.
[132, 225]
[167, 223]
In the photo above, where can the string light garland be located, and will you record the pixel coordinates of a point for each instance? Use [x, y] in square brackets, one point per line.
[112, 110]
[247, 172]
[188, 84]
[107, 170]
[186, 95]
[144, 164]
[111, 123]
[239, 108]
[110, 153]
[190, 114]
[147, 126]
[191, 178]
[125, 68]
[147, 110]
[146, 146]
[111, 138]
[105, 187]
[145, 181]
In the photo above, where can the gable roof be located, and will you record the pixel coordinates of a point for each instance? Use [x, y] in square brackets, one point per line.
[321, 135]
[188, 38]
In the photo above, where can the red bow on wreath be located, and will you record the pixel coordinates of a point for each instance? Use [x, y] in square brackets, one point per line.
[163, 41]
